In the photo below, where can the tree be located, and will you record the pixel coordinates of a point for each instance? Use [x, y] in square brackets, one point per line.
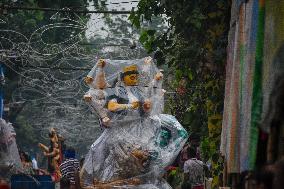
[194, 50]
[33, 78]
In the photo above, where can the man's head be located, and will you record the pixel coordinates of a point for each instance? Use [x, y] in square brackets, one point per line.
[130, 75]
[24, 156]
[191, 151]
[69, 153]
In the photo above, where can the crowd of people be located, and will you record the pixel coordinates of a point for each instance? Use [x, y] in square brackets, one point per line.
[69, 169]
[188, 171]
[188, 160]
[192, 171]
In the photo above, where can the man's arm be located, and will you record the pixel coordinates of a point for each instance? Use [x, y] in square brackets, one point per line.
[205, 170]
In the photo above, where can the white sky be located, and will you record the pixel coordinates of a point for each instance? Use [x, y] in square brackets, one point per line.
[96, 21]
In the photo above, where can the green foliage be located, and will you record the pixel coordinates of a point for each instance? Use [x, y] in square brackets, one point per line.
[210, 146]
[175, 177]
[194, 49]
[27, 136]
[147, 39]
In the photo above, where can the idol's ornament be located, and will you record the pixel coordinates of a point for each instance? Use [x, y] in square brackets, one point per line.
[138, 141]
[53, 154]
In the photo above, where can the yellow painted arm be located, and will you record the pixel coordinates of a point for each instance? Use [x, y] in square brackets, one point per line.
[114, 106]
[43, 147]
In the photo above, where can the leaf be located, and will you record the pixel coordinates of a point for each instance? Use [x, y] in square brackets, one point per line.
[178, 74]
[190, 75]
[39, 15]
[220, 5]
[148, 47]
[143, 36]
[135, 19]
[212, 14]
[173, 172]
[30, 22]
[187, 118]
[151, 32]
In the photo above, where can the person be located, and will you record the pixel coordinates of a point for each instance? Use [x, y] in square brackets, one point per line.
[34, 163]
[4, 184]
[183, 156]
[26, 163]
[194, 171]
[70, 167]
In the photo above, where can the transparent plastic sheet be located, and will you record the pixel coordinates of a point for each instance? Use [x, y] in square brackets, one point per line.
[138, 142]
[10, 162]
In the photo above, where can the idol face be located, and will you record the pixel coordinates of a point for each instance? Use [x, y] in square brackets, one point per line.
[131, 79]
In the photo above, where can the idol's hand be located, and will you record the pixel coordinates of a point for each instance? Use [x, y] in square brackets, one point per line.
[106, 121]
[113, 106]
[135, 104]
[43, 147]
[88, 80]
[87, 98]
[101, 63]
[147, 105]
[148, 60]
[159, 76]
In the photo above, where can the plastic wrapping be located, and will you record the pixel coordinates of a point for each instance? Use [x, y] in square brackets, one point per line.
[138, 142]
[10, 162]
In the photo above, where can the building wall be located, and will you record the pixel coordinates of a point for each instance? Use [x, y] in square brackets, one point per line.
[243, 92]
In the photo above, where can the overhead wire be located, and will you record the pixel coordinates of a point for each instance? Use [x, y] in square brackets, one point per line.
[67, 10]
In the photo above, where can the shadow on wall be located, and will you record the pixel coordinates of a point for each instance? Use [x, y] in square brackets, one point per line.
[274, 118]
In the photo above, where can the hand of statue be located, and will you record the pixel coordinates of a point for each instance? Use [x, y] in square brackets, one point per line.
[159, 76]
[147, 105]
[88, 98]
[106, 121]
[148, 60]
[101, 63]
[42, 146]
[135, 104]
[88, 80]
